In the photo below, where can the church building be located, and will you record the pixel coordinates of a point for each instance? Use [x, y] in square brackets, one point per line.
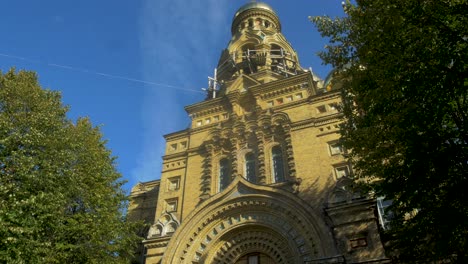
[259, 176]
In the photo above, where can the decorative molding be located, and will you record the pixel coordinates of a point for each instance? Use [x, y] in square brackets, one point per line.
[182, 134]
[246, 207]
[293, 82]
[206, 107]
[165, 226]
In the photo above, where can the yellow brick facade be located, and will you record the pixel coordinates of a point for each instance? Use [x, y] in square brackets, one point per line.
[259, 175]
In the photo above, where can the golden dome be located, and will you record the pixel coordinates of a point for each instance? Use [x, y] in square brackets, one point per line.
[254, 9]
[254, 5]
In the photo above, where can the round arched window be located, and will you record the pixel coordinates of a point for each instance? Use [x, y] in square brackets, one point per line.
[224, 174]
[278, 164]
[250, 174]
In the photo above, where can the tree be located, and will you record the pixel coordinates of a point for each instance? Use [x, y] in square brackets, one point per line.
[61, 199]
[403, 65]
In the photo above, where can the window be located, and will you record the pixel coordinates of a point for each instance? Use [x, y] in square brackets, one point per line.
[342, 171]
[279, 101]
[224, 174]
[208, 120]
[335, 148]
[216, 118]
[253, 259]
[321, 109]
[333, 107]
[270, 103]
[289, 98]
[183, 144]
[199, 123]
[258, 22]
[171, 205]
[358, 242]
[174, 147]
[250, 168]
[225, 116]
[385, 216]
[299, 96]
[278, 164]
[173, 183]
[250, 22]
[262, 35]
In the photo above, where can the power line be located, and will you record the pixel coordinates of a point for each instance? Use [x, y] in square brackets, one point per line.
[111, 76]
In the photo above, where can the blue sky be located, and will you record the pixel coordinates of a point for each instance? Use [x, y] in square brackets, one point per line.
[131, 65]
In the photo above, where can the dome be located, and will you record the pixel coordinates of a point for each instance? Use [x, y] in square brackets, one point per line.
[254, 5]
[255, 10]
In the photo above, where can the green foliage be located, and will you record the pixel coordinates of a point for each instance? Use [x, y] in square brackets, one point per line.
[404, 66]
[60, 195]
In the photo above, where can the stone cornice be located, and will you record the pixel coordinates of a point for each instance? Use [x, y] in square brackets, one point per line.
[324, 96]
[142, 188]
[275, 88]
[233, 96]
[206, 107]
[290, 105]
[329, 119]
[177, 135]
[157, 242]
[363, 207]
[315, 122]
[359, 205]
[266, 73]
[303, 124]
[180, 155]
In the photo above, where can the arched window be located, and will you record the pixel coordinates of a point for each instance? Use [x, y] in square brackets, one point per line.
[276, 55]
[276, 51]
[258, 22]
[248, 53]
[250, 167]
[278, 164]
[251, 23]
[224, 174]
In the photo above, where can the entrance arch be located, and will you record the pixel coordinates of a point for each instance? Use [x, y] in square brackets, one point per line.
[252, 239]
[248, 218]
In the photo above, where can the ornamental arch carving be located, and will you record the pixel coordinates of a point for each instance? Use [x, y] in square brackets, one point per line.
[249, 218]
[257, 133]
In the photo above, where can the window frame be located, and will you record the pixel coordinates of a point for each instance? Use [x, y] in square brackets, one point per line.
[338, 167]
[170, 182]
[385, 216]
[253, 168]
[224, 180]
[331, 148]
[274, 170]
[169, 202]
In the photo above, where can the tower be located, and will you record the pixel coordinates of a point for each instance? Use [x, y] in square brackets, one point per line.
[259, 176]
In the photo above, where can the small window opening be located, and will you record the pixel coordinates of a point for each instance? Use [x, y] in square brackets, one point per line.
[250, 168]
[278, 164]
[224, 174]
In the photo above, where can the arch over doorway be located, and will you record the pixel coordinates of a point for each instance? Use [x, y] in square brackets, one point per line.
[248, 218]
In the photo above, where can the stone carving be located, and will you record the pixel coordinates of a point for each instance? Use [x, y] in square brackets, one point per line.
[165, 226]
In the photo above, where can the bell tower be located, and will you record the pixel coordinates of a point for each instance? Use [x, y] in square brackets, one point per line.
[257, 48]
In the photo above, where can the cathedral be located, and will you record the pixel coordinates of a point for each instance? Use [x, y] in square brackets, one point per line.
[259, 176]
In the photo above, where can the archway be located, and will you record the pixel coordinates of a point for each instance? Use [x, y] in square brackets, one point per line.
[251, 219]
[254, 242]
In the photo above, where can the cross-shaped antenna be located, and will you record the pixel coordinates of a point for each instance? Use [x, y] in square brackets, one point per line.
[212, 85]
